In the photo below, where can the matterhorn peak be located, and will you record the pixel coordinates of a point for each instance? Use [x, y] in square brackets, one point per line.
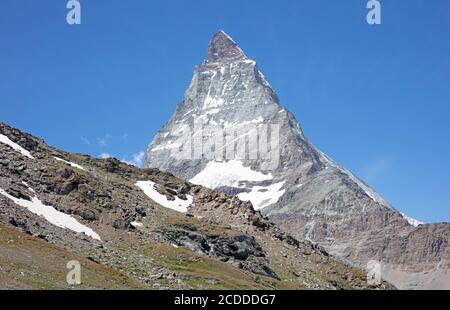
[223, 48]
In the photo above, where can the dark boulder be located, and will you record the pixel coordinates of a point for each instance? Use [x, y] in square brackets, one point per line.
[141, 211]
[184, 189]
[88, 215]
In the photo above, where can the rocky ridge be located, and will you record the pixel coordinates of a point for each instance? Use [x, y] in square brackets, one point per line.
[219, 243]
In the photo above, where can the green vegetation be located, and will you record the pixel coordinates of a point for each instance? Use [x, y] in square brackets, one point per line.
[31, 263]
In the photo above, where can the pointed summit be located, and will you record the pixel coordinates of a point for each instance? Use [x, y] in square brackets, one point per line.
[222, 47]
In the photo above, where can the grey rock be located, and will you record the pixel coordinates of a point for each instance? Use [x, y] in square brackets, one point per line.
[184, 189]
[242, 250]
[88, 215]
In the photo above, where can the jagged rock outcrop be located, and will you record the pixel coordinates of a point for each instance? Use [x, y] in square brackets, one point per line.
[230, 133]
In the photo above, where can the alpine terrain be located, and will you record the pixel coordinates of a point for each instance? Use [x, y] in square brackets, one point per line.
[131, 228]
[231, 134]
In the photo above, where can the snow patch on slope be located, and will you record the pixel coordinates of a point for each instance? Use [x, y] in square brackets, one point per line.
[168, 145]
[232, 173]
[227, 173]
[211, 102]
[4, 139]
[70, 163]
[177, 204]
[412, 221]
[29, 188]
[241, 124]
[263, 196]
[52, 215]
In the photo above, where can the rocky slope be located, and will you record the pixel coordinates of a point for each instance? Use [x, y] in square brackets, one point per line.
[119, 222]
[230, 133]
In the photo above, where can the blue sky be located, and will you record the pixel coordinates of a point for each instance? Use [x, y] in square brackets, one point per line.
[374, 98]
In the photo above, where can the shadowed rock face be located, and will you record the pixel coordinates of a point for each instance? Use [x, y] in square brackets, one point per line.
[223, 48]
[307, 193]
[242, 251]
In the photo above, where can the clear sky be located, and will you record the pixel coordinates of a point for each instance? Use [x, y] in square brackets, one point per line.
[374, 98]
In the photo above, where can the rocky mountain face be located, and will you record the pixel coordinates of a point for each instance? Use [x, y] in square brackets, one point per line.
[230, 133]
[141, 228]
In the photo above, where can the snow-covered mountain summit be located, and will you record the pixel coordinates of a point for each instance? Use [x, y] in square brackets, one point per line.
[231, 124]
